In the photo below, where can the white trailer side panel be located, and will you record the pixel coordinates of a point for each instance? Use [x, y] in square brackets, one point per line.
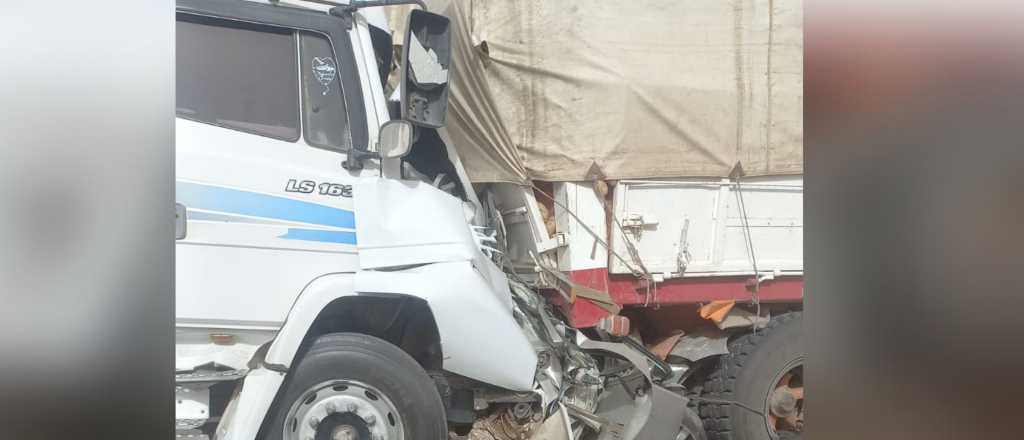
[696, 227]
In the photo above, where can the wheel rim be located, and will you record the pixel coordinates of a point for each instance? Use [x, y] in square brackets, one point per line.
[784, 403]
[343, 410]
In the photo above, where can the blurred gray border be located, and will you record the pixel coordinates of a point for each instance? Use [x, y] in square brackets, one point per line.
[86, 219]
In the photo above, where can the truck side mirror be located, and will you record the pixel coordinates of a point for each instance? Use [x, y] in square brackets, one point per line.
[426, 62]
[395, 139]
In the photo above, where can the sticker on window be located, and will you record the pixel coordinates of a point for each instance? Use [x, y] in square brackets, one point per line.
[324, 70]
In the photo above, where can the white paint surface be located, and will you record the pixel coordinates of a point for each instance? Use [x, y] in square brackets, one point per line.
[715, 236]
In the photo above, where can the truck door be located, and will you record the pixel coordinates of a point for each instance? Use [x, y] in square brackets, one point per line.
[265, 116]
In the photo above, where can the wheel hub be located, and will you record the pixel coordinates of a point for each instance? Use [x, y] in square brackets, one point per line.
[785, 403]
[344, 432]
[343, 410]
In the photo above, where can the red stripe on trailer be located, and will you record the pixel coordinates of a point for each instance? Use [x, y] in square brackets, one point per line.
[583, 313]
[626, 290]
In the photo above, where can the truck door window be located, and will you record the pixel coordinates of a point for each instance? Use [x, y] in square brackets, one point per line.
[238, 75]
[325, 117]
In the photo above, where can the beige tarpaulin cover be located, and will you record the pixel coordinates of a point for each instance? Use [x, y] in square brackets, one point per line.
[545, 89]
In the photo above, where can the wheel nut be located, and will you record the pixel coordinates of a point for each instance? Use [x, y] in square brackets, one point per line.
[331, 408]
[314, 422]
[370, 419]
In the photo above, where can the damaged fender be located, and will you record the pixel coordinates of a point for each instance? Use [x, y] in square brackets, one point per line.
[417, 240]
[477, 330]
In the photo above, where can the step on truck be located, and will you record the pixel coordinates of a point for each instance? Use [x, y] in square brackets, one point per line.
[332, 283]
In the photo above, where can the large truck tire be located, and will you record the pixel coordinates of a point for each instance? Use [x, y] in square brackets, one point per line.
[763, 371]
[354, 386]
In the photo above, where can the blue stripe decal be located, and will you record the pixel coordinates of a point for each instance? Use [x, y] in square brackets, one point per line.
[232, 218]
[215, 198]
[344, 237]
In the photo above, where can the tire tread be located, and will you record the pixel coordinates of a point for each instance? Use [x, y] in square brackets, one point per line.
[721, 383]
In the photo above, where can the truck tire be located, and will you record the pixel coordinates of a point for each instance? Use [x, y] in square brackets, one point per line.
[356, 386]
[751, 374]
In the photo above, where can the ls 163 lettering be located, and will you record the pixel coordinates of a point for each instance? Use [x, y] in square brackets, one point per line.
[324, 188]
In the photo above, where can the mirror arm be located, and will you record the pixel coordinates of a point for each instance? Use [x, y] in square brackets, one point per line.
[354, 161]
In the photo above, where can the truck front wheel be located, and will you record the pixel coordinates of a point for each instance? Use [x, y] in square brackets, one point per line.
[351, 386]
[764, 372]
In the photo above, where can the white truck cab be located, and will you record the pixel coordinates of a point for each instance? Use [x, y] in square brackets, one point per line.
[329, 280]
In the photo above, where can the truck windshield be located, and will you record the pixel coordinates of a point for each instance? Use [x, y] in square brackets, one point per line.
[238, 75]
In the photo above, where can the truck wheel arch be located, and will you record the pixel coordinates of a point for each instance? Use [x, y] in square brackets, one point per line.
[330, 304]
[468, 312]
[405, 321]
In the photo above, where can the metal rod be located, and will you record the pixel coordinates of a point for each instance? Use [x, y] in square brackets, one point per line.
[370, 3]
[324, 2]
[357, 4]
